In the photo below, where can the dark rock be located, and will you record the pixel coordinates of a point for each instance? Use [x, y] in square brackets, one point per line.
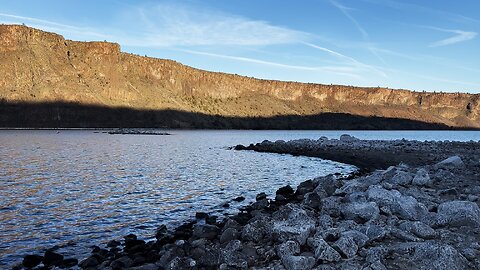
[346, 246]
[91, 261]
[258, 230]
[324, 252]
[285, 191]
[312, 200]
[212, 220]
[261, 196]
[52, 258]
[298, 262]
[419, 229]
[361, 212]
[287, 248]
[201, 215]
[305, 187]
[239, 199]
[113, 243]
[31, 261]
[228, 235]
[205, 231]
[184, 231]
[121, 263]
[67, 263]
[459, 213]
[291, 222]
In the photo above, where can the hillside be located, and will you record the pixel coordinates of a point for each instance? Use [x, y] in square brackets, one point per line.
[48, 81]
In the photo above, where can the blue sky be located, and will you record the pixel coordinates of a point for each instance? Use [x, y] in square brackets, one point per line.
[430, 45]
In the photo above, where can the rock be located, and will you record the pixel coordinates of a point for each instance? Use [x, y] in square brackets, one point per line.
[91, 261]
[361, 212]
[359, 238]
[312, 200]
[292, 223]
[31, 261]
[401, 178]
[298, 262]
[305, 187]
[68, 263]
[450, 163]
[199, 215]
[325, 221]
[382, 196]
[114, 243]
[377, 265]
[458, 213]
[325, 184]
[324, 252]
[148, 266]
[347, 138]
[257, 230]
[331, 206]
[287, 248]
[407, 207]
[347, 246]
[404, 235]
[373, 232]
[180, 263]
[228, 235]
[429, 255]
[232, 257]
[52, 258]
[261, 196]
[239, 199]
[205, 231]
[418, 228]
[422, 178]
[121, 263]
[285, 191]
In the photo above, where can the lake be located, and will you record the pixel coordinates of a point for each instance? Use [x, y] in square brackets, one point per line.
[77, 188]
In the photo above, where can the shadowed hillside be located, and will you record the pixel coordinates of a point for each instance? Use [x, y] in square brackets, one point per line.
[45, 69]
[69, 115]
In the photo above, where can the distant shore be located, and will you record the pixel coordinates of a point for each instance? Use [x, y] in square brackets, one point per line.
[421, 214]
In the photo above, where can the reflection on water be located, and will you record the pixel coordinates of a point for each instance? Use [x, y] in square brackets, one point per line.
[79, 188]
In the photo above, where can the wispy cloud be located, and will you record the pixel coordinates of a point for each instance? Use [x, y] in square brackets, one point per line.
[339, 70]
[180, 25]
[426, 10]
[346, 11]
[351, 60]
[459, 36]
[73, 31]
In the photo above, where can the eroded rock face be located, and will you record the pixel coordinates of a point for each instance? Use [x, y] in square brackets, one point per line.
[117, 79]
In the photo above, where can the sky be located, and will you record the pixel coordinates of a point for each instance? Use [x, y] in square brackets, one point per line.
[422, 45]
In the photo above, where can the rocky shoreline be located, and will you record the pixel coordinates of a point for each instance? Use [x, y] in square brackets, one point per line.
[421, 214]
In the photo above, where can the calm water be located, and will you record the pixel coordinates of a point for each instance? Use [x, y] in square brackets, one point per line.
[78, 188]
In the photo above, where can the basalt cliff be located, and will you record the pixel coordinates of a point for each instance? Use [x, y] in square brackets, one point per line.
[48, 81]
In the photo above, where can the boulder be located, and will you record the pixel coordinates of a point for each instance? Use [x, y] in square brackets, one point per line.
[298, 262]
[360, 238]
[361, 212]
[52, 258]
[291, 222]
[257, 230]
[205, 231]
[228, 235]
[287, 249]
[91, 261]
[450, 163]
[401, 178]
[31, 261]
[458, 213]
[382, 196]
[347, 246]
[422, 178]
[324, 252]
[419, 229]
[407, 207]
[312, 200]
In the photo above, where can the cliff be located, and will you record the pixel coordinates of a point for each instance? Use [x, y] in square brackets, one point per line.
[38, 68]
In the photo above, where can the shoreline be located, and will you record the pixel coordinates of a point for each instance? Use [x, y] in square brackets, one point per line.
[372, 220]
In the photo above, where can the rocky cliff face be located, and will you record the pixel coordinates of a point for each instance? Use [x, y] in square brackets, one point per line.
[41, 67]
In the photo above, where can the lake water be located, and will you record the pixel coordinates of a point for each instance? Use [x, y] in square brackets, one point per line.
[78, 188]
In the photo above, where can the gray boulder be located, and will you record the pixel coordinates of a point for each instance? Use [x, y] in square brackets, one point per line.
[382, 196]
[407, 207]
[401, 178]
[257, 230]
[419, 229]
[450, 163]
[422, 178]
[347, 246]
[361, 212]
[205, 231]
[458, 213]
[298, 262]
[292, 222]
[324, 252]
[287, 249]
[313, 200]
